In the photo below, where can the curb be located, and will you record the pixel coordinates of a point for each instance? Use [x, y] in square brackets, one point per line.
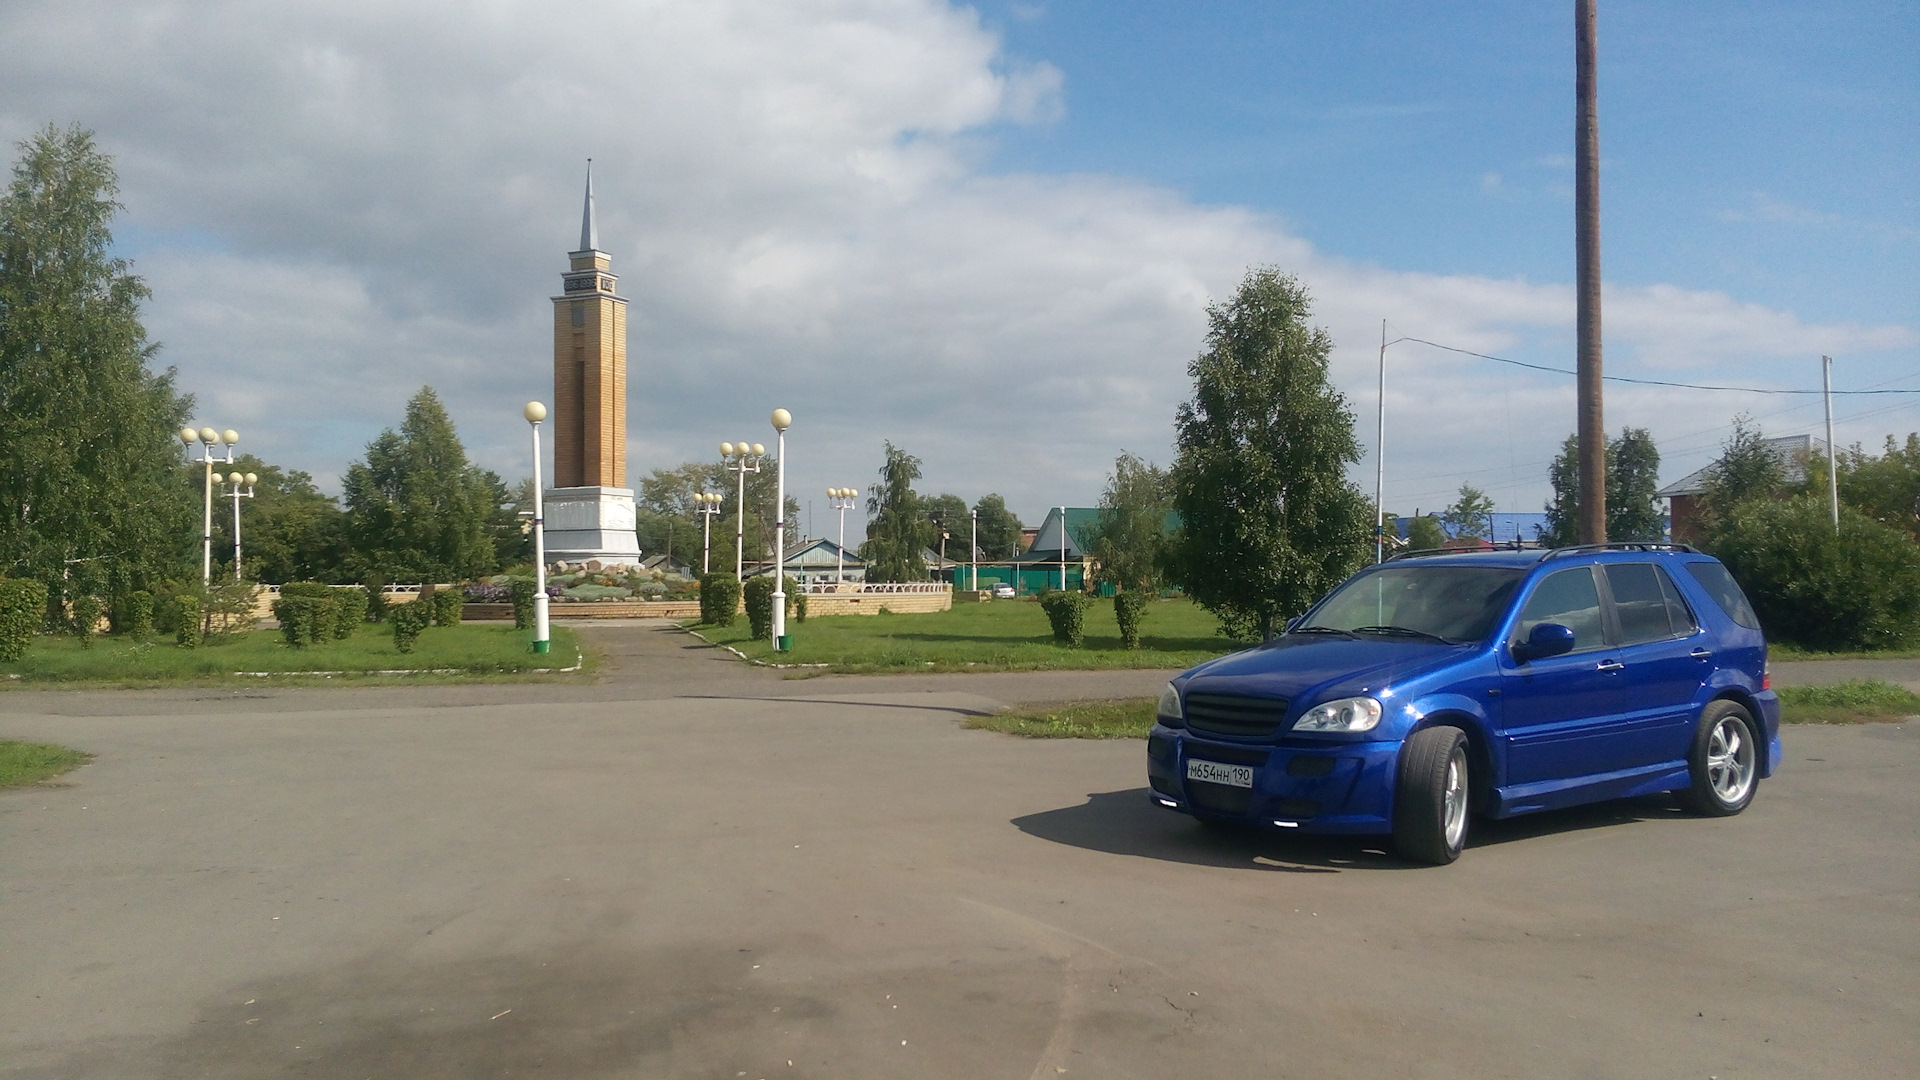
[579, 660]
[741, 655]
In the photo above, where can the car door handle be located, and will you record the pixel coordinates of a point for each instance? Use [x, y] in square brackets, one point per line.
[1701, 654]
[1611, 665]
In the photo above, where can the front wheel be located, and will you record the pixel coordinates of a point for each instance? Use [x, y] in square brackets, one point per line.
[1430, 797]
[1724, 763]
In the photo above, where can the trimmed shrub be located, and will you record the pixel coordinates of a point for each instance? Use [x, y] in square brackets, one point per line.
[349, 611]
[1129, 605]
[23, 604]
[446, 607]
[186, 621]
[304, 619]
[139, 615]
[1067, 613]
[524, 590]
[719, 599]
[376, 601]
[1859, 589]
[798, 601]
[408, 620]
[759, 593]
[86, 616]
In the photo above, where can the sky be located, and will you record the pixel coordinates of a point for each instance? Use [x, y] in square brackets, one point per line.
[989, 234]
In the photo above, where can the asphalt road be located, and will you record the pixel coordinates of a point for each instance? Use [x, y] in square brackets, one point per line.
[696, 869]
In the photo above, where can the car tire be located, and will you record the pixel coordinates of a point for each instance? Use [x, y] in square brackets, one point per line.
[1432, 796]
[1724, 763]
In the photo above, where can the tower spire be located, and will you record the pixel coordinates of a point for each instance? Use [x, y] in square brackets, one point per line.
[589, 234]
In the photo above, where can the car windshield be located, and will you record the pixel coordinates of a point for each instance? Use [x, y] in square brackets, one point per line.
[1453, 604]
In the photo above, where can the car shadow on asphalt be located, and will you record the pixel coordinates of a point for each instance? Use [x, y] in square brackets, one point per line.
[1130, 823]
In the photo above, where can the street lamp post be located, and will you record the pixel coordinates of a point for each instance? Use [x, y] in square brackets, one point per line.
[973, 552]
[208, 438]
[782, 419]
[707, 505]
[236, 495]
[1063, 549]
[843, 501]
[742, 458]
[536, 412]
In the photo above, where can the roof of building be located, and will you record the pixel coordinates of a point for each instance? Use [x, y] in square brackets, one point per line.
[589, 232]
[1794, 451]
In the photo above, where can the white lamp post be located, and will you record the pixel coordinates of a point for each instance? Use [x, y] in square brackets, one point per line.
[536, 412]
[973, 552]
[236, 495]
[843, 501]
[707, 505]
[1063, 549]
[742, 458]
[782, 419]
[208, 438]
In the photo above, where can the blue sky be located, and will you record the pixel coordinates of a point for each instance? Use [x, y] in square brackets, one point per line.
[989, 234]
[1768, 150]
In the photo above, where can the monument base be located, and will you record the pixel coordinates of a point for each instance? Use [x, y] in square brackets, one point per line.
[591, 524]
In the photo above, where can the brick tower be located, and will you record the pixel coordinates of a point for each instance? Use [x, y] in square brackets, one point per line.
[590, 509]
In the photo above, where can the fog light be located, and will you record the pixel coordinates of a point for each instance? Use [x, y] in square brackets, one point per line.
[1288, 824]
[1169, 803]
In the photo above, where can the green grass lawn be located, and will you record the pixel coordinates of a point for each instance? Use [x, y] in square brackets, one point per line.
[1864, 702]
[1778, 651]
[468, 650]
[1003, 635]
[23, 763]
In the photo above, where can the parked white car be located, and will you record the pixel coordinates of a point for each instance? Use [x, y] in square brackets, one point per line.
[1003, 591]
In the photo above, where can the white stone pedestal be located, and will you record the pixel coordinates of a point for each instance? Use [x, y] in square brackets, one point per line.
[591, 523]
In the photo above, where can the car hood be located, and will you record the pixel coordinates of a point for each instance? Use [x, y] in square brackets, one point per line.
[1321, 667]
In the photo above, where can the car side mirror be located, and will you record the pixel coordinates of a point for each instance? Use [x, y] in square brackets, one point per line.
[1293, 622]
[1546, 639]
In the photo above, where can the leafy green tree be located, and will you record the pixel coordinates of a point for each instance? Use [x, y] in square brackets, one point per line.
[1885, 488]
[999, 529]
[897, 525]
[1129, 539]
[289, 530]
[1747, 469]
[1424, 533]
[1633, 475]
[90, 502]
[1270, 521]
[949, 514]
[1857, 587]
[666, 495]
[1471, 515]
[417, 510]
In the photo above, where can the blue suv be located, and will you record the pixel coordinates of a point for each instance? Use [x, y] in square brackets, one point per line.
[1499, 683]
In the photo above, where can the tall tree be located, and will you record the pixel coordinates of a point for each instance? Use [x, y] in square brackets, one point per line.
[948, 514]
[1633, 475]
[1885, 488]
[417, 510]
[1471, 515]
[999, 528]
[1269, 519]
[666, 495]
[289, 530]
[1748, 468]
[897, 526]
[1130, 538]
[90, 499]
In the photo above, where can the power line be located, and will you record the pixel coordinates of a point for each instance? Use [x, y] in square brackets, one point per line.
[1645, 382]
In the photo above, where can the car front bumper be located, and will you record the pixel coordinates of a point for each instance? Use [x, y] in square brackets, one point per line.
[1297, 784]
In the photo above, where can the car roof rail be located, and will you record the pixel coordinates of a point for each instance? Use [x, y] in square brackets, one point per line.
[1503, 545]
[1623, 545]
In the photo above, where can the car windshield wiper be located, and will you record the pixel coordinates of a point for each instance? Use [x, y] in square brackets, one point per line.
[1319, 630]
[1402, 631]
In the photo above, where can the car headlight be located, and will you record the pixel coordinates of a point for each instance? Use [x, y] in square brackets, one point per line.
[1168, 711]
[1346, 714]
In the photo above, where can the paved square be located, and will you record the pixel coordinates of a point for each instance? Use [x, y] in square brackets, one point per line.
[695, 869]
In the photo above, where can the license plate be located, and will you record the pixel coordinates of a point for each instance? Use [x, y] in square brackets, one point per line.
[1214, 772]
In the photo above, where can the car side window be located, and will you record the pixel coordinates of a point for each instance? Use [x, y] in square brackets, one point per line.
[1641, 603]
[1720, 585]
[1567, 597]
[1678, 613]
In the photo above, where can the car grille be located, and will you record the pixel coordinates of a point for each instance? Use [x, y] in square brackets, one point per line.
[1219, 798]
[1229, 714]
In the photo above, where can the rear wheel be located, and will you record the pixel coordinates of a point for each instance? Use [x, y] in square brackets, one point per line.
[1431, 796]
[1724, 762]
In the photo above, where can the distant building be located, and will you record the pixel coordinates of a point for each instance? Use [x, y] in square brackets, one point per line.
[817, 562]
[1683, 495]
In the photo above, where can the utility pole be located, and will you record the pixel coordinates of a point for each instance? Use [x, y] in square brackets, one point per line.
[1592, 429]
[1833, 467]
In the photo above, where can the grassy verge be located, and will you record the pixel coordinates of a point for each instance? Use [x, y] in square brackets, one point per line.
[1004, 635]
[23, 763]
[459, 652]
[1863, 701]
[1778, 651]
[1128, 718]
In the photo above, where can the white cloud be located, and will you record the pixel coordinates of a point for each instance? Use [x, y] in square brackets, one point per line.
[374, 197]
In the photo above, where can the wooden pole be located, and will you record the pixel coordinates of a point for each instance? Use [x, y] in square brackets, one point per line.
[1592, 428]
